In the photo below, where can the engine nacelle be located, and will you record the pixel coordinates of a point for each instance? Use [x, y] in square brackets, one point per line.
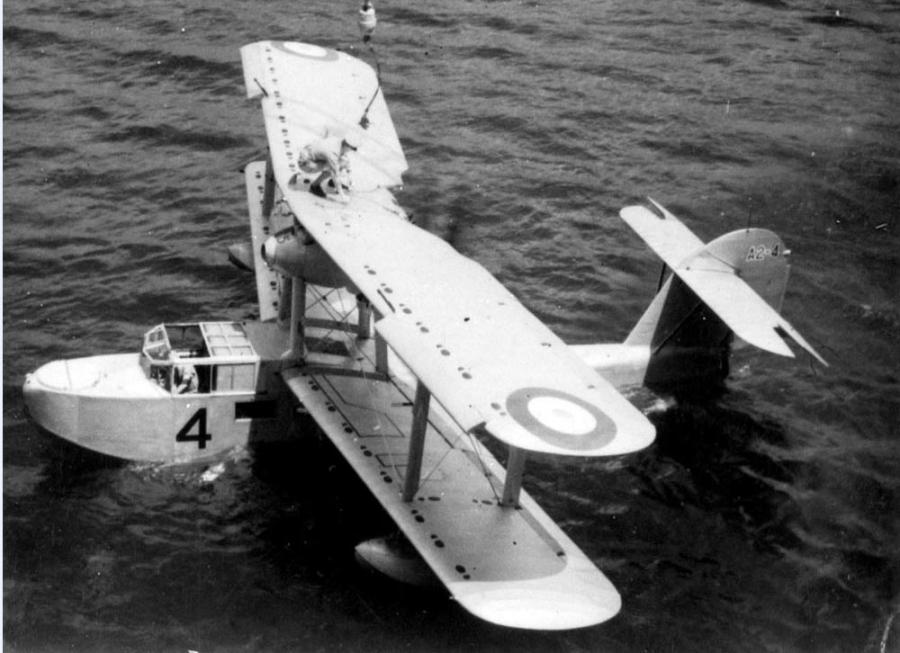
[299, 256]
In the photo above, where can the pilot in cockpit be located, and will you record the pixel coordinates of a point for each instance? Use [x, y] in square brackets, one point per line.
[329, 157]
[185, 379]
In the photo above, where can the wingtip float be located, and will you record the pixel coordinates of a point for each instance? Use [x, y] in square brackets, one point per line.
[400, 373]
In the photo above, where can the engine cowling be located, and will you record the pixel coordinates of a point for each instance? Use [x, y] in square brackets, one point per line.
[296, 255]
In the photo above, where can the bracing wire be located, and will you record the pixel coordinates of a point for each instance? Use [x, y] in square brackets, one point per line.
[484, 469]
[342, 316]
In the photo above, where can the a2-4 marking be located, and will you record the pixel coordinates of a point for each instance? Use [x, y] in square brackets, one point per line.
[761, 252]
[201, 436]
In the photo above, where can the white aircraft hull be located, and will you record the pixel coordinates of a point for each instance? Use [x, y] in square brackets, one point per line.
[106, 404]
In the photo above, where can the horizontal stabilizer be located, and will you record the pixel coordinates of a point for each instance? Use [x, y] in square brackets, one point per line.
[745, 312]
[666, 235]
[740, 276]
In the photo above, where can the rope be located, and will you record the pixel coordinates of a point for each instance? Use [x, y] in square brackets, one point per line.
[367, 22]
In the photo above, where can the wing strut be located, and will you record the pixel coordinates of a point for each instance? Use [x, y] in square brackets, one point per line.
[381, 348]
[298, 315]
[268, 199]
[416, 442]
[515, 469]
[363, 317]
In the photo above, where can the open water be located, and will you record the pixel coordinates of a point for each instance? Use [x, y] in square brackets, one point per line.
[764, 520]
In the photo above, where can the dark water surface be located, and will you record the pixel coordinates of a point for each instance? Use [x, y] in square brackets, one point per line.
[764, 521]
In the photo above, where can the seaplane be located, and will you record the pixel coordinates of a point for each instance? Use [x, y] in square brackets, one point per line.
[412, 358]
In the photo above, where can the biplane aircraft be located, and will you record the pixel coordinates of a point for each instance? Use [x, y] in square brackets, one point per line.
[409, 355]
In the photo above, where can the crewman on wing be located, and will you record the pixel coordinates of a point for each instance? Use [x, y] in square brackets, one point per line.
[367, 21]
[329, 157]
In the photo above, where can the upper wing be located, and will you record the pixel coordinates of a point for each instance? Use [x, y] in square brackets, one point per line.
[485, 357]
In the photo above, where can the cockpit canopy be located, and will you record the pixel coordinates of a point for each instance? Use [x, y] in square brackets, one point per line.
[200, 357]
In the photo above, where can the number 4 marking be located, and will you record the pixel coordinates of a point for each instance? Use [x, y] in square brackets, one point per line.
[201, 437]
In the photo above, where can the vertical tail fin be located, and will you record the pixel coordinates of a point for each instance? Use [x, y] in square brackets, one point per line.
[687, 340]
